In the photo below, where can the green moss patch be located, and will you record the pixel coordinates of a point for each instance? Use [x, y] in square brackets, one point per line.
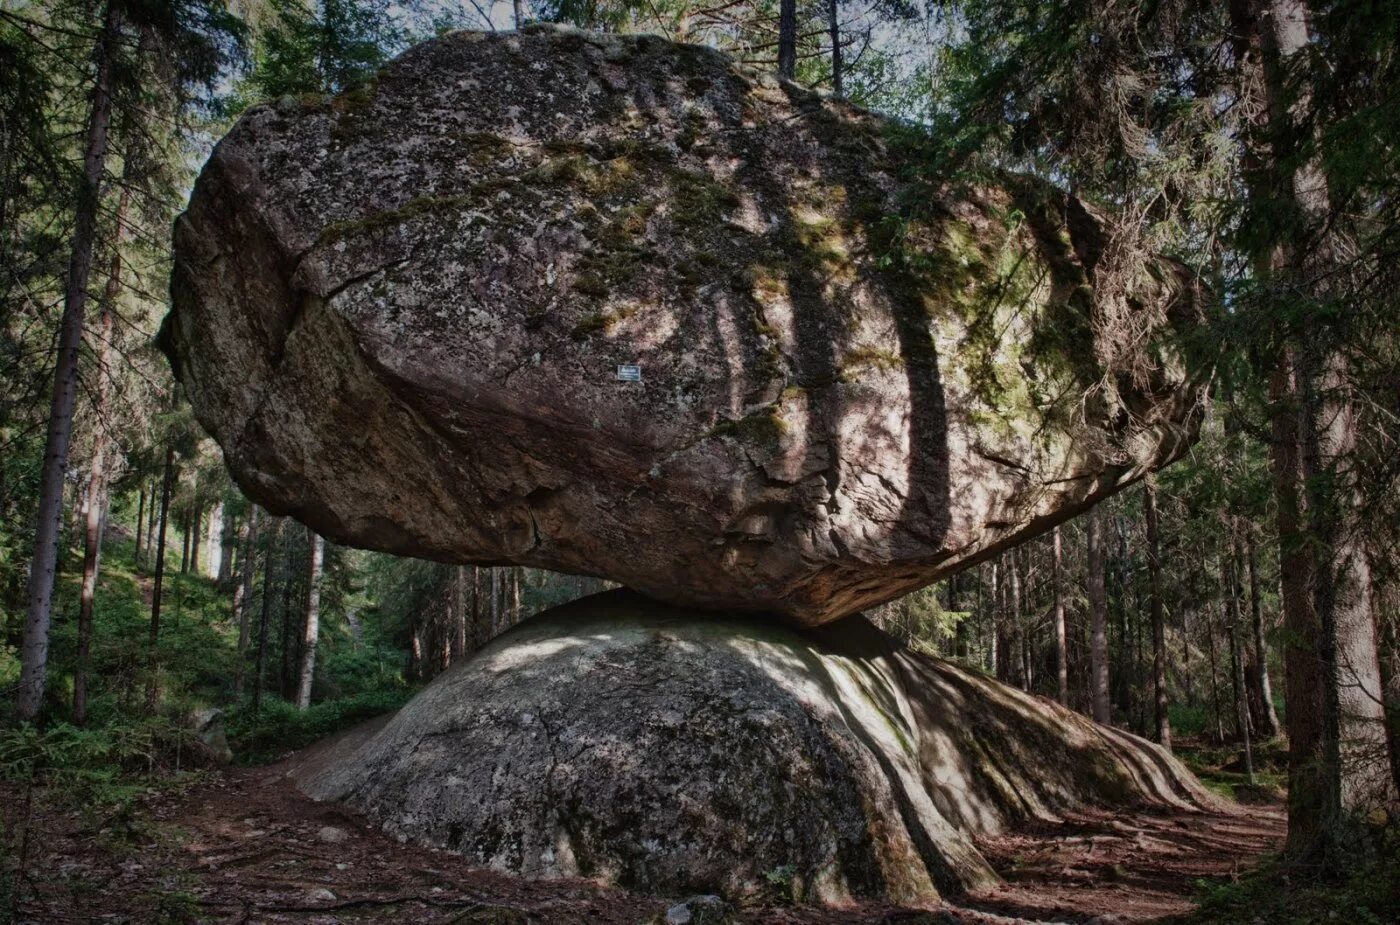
[762, 428]
[601, 322]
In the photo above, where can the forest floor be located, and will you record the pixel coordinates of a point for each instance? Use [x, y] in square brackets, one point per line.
[243, 846]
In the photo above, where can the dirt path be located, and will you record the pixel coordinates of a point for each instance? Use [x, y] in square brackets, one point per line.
[1132, 868]
[244, 846]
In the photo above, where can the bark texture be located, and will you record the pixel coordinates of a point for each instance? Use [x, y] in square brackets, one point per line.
[678, 751]
[401, 311]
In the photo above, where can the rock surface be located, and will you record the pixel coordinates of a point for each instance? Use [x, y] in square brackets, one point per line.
[401, 312]
[676, 751]
[207, 724]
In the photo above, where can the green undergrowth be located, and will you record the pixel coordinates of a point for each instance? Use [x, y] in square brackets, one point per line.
[1198, 719]
[97, 770]
[1221, 765]
[1222, 768]
[277, 727]
[102, 779]
[131, 735]
[1272, 895]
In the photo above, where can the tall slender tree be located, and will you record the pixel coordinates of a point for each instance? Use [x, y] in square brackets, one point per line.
[148, 60]
[97, 475]
[1058, 611]
[1331, 653]
[264, 612]
[243, 599]
[158, 582]
[1098, 619]
[1162, 719]
[833, 30]
[1268, 715]
[311, 624]
[34, 651]
[787, 38]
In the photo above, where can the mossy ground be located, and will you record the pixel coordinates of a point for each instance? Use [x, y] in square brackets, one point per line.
[1221, 765]
[1221, 768]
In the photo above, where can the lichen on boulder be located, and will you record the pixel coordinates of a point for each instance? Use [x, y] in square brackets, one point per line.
[401, 311]
[675, 751]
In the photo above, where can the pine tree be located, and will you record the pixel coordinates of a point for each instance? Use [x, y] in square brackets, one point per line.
[182, 45]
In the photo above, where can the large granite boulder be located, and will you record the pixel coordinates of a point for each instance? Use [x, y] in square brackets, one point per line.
[402, 312]
[676, 751]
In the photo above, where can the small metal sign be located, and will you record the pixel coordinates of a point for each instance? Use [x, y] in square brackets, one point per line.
[627, 373]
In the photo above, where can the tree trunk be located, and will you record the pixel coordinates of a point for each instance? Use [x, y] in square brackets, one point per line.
[1061, 637]
[1330, 663]
[1131, 662]
[495, 601]
[312, 626]
[1268, 716]
[518, 9]
[92, 536]
[1241, 707]
[196, 536]
[833, 28]
[1243, 719]
[243, 596]
[1018, 622]
[787, 38]
[34, 649]
[515, 594]
[459, 612]
[444, 641]
[1008, 656]
[97, 478]
[1385, 602]
[1354, 715]
[1159, 619]
[151, 517]
[415, 649]
[221, 545]
[102, 527]
[478, 639]
[185, 543]
[1303, 677]
[140, 523]
[1098, 620]
[260, 663]
[1214, 678]
[288, 660]
[1188, 685]
[995, 655]
[73, 503]
[158, 582]
[1229, 581]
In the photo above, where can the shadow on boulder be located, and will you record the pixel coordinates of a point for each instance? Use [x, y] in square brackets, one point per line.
[676, 751]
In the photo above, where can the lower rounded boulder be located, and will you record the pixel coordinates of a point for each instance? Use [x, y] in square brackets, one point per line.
[671, 752]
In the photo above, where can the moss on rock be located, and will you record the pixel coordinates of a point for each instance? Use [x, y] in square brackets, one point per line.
[488, 229]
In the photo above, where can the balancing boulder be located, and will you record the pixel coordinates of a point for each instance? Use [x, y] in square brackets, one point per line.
[617, 306]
